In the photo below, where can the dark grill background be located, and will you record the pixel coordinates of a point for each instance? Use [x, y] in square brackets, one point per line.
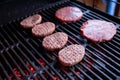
[22, 55]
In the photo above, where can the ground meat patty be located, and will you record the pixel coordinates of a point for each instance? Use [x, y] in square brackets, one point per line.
[71, 55]
[55, 41]
[31, 21]
[98, 31]
[69, 14]
[44, 29]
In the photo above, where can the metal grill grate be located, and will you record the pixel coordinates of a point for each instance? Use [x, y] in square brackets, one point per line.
[22, 56]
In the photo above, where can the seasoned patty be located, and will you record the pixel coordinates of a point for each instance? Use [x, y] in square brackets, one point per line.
[71, 55]
[69, 14]
[44, 29]
[55, 41]
[98, 31]
[31, 21]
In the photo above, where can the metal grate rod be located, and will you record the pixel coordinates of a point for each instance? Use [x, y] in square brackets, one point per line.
[9, 66]
[5, 72]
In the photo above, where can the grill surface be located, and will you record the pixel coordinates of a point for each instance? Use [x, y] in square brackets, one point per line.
[22, 56]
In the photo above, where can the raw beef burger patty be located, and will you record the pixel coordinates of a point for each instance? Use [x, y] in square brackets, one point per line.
[31, 21]
[98, 31]
[71, 55]
[44, 29]
[55, 41]
[69, 14]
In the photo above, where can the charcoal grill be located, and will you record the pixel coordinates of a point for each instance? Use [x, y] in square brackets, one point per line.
[23, 57]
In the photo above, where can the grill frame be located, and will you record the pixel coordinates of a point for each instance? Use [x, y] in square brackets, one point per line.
[21, 43]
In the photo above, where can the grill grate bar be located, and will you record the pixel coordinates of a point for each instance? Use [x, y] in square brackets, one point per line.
[16, 52]
[86, 75]
[102, 17]
[114, 45]
[114, 42]
[47, 63]
[11, 34]
[69, 36]
[7, 35]
[27, 58]
[4, 40]
[34, 49]
[76, 74]
[114, 51]
[95, 73]
[99, 70]
[102, 59]
[43, 78]
[107, 56]
[21, 61]
[4, 71]
[99, 65]
[68, 75]
[20, 32]
[16, 64]
[74, 29]
[94, 69]
[64, 29]
[116, 38]
[37, 62]
[35, 58]
[9, 66]
[91, 16]
[8, 29]
[95, 66]
[118, 31]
